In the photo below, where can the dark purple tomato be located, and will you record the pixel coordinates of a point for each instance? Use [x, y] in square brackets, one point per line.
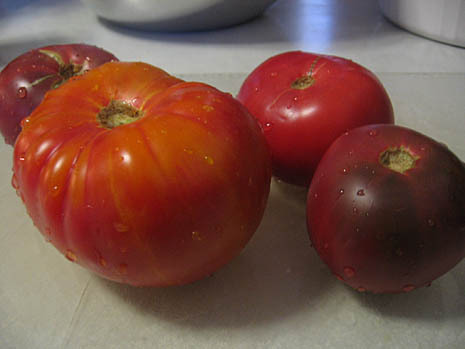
[26, 79]
[386, 209]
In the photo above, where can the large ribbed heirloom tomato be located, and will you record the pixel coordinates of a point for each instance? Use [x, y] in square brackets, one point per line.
[141, 177]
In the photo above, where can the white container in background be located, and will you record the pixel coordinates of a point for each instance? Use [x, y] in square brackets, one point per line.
[442, 20]
[178, 15]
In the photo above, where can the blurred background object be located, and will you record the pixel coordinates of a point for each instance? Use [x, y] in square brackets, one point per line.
[442, 20]
[178, 15]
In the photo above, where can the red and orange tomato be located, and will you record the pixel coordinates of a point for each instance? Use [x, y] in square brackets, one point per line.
[141, 177]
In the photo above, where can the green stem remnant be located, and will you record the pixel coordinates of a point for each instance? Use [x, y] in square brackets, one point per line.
[398, 159]
[66, 71]
[118, 113]
[305, 81]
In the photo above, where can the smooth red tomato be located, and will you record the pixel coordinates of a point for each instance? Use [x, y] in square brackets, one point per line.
[304, 101]
[141, 177]
[26, 79]
[386, 209]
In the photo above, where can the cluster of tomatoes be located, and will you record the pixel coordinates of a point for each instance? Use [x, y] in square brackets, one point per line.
[149, 180]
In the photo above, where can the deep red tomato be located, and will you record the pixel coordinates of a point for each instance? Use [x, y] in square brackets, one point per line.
[141, 177]
[26, 79]
[304, 101]
[386, 209]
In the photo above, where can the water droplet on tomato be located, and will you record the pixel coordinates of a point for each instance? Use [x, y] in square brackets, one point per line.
[22, 92]
[250, 182]
[295, 99]
[196, 235]
[268, 127]
[188, 151]
[345, 171]
[360, 192]
[357, 229]
[315, 195]
[350, 153]
[408, 288]
[373, 133]
[208, 108]
[120, 227]
[209, 160]
[274, 74]
[256, 89]
[349, 272]
[341, 191]
[355, 210]
[123, 269]
[71, 256]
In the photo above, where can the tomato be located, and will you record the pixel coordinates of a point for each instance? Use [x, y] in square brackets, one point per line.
[304, 101]
[386, 209]
[26, 79]
[141, 177]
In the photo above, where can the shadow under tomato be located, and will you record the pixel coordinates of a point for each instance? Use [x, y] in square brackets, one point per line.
[276, 275]
[442, 300]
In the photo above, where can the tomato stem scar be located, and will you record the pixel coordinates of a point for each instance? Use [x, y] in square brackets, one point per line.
[118, 113]
[398, 159]
[66, 71]
[306, 81]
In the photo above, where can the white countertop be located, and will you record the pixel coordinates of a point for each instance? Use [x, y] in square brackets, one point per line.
[277, 293]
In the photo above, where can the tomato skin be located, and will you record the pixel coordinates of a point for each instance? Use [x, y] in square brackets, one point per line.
[300, 124]
[164, 200]
[381, 230]
[26, 79]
